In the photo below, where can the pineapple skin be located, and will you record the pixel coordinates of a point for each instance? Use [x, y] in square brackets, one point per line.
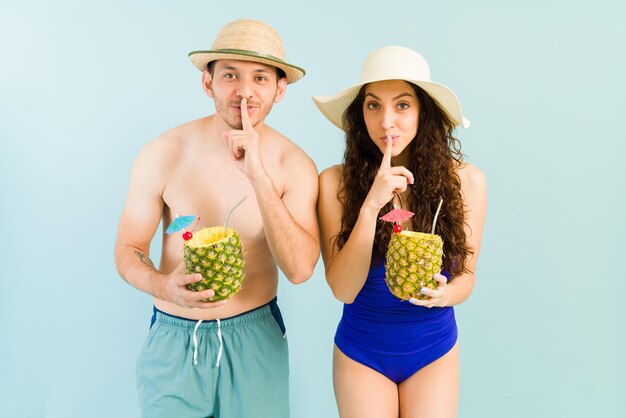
[216, 254]
[411, 260]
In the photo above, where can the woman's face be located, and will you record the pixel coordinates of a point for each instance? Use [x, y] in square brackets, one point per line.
[391, 109]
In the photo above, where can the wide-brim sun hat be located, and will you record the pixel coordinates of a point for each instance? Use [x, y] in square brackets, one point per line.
[248, 40]
[392, 63]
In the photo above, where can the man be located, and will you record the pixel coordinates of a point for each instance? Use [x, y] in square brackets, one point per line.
[225, 358]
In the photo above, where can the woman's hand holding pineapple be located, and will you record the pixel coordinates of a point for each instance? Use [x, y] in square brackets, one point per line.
[436, 297]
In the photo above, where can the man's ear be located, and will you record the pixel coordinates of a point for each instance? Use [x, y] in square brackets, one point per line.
[207, 83]
[281, 89]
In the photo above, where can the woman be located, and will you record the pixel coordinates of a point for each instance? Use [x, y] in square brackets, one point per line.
[394, 357]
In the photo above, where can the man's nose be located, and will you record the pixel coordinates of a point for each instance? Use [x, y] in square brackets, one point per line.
[244, 88]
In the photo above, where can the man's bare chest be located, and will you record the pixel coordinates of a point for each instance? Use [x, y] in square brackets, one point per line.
[210, 191]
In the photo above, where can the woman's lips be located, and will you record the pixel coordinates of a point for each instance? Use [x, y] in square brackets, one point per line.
[394, 138]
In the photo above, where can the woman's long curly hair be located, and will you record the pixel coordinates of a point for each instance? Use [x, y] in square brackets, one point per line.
[434, 156]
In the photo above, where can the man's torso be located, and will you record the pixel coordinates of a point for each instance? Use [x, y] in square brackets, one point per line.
[202, 179]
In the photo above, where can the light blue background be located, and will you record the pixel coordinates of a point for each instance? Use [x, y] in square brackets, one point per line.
[83, 85]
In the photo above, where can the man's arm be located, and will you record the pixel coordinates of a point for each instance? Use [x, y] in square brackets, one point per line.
[290, 221]
[138, 224]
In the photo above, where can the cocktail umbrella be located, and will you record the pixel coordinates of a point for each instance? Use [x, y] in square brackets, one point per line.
[396, 216]
[182, 222]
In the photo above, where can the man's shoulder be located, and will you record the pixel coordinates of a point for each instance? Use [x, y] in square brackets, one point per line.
[181, 133]
[172, 141]
[290, 150]
[279, 137]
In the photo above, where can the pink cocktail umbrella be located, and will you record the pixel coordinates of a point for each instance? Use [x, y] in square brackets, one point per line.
[396, 216]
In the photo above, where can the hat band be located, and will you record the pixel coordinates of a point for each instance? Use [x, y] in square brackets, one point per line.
[242, 52]
[249, 53]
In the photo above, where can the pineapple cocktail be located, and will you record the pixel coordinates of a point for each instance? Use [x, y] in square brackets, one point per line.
[411, 261]
[217, 254]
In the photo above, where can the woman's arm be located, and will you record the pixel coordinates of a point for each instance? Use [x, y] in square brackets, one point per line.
[474, 191]
[346, 269]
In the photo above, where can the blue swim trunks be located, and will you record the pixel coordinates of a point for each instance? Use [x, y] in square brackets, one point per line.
[233, 367]
[393, 337]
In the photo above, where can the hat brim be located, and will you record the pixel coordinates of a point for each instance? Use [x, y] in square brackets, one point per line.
[200, 59]
[334, 106]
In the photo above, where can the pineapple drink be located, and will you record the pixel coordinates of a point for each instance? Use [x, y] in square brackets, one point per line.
[217, 254]
[411, 260]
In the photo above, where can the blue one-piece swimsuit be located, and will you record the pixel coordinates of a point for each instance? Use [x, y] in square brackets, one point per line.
[393, 337]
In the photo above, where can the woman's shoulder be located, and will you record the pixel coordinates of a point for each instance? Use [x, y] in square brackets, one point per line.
[470, 174]
[473, 181]
[330, 178]
[333, 172]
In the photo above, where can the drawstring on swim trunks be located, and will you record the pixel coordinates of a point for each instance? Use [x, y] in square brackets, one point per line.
[219, 335]
[195, 343]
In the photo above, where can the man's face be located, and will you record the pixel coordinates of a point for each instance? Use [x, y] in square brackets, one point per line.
[233, 80]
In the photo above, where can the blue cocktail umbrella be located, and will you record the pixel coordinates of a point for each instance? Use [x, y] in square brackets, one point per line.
[181, 222]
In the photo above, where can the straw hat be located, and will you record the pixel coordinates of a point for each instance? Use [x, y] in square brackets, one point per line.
[248, 40]
[392, 63]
